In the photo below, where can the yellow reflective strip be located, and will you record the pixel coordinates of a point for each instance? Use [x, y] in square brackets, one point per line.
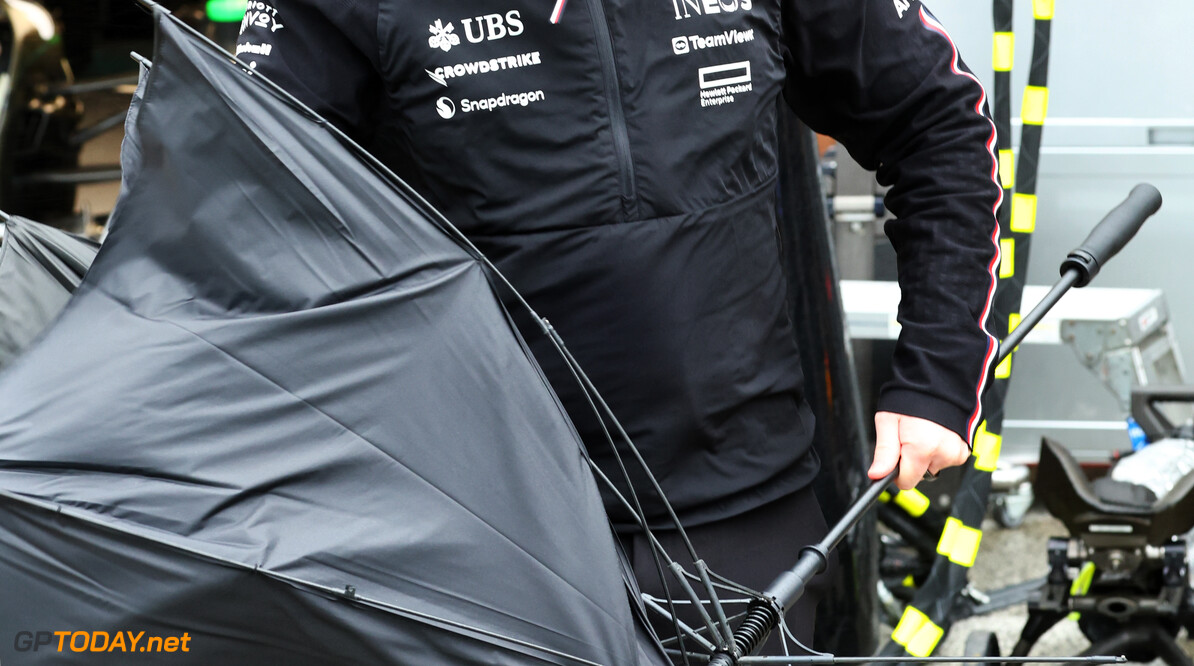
[1082, 581]
[1007, 168]
[926, 640]
[1035, 105]
[917, 633]
[909, 581]
[910, 623]
[987, 446]
[885, 497]
[1081, 586]
[959, 543]
[1005, 49]
[947, 536]
[1013, 321]
[1042, 10]
[1004, 369]
[1007, 257]
[913, 502]
[1023, 213]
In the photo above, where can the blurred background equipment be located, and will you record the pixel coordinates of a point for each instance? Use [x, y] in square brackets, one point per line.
[38, 116]
[65, 86]
[1124, 569]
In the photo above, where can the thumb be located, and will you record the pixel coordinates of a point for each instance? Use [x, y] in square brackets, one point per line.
[887, 445]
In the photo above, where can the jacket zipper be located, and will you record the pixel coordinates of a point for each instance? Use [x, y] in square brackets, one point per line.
[617, 115]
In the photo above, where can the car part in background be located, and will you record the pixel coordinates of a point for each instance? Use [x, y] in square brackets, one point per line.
[37, 116]
[1124, 570]
[1137, 349]
[58, 56]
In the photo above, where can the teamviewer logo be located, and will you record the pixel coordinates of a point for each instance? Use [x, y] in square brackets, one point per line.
[680, 45]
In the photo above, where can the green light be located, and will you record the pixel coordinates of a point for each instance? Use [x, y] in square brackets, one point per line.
[226, 11]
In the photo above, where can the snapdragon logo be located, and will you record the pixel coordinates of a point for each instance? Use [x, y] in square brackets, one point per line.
[503, 100]
[447, 109]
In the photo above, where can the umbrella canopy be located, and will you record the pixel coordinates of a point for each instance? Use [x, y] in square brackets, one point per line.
[40, 267]
[312, 436]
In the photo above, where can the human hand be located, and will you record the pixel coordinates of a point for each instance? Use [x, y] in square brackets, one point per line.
[917, 445]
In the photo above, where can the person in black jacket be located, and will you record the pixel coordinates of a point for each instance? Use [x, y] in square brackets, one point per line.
[616, 159]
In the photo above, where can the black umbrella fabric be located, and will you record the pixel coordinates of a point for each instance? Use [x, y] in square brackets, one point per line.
[40, 267]
[313, 435]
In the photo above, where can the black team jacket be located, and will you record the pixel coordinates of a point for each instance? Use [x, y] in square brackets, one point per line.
[617, 160]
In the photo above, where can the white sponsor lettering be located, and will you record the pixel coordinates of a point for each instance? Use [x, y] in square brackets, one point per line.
[255, 49]
[902, 6]
[723, 94]
[260, 15]
[495, 103]
[441, 74]
[486, 28]
[689, 8]
[720, 83]
[447, 109]
[256, 5]
[682, 45]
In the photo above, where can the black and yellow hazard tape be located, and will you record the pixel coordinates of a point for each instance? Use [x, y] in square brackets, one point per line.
[987, 446]
[959, 542]
[913, 502]
[929, 617]
[917, 633]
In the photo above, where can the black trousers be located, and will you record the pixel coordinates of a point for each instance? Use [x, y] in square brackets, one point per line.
[751, 549]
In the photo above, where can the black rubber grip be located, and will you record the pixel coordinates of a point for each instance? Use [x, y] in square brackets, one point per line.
[1113, 233]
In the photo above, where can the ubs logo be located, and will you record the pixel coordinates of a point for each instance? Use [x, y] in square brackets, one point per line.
[487, 28]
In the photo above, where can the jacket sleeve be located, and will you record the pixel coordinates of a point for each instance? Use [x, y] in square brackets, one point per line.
[324, 52]
[884, 78]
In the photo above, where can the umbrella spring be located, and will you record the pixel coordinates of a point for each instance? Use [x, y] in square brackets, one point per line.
[759, 622]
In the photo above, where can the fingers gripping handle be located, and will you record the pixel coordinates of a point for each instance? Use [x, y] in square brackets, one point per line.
[1110, 236]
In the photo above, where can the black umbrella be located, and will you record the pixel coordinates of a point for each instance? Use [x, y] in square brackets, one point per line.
[312, 435]
[40, 267]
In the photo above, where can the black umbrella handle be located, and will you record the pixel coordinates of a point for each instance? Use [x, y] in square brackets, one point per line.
[1112, 233]
[764, 614]
[1107, 239]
